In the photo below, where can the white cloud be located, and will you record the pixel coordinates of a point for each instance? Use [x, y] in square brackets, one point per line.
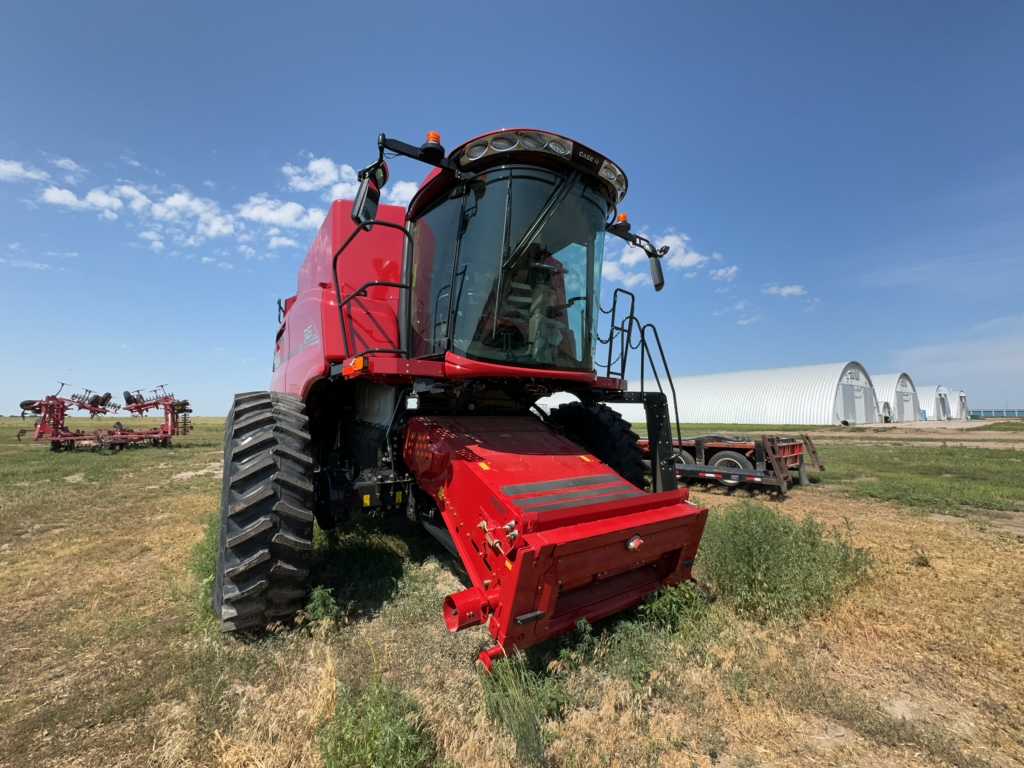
[680, 256]
[784, 290]
[343, 190]
[65, 197]
[67, 164]
[137, 201]
[740, 305]
[209, 184]
[748, 320]
[225, 266]
[207, 260]
[14, 247]
[320, 172]
[282, 242]
[23, 263]
[726, 273]
[95, 200]
[155, 240]
[209, 219]
[11, 170]
[264, 210]
[74, 172]
[400, 192]
[247, 250]
[612, 270]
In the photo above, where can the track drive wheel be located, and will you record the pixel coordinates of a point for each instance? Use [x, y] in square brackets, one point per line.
[608, 436]
[266, 526]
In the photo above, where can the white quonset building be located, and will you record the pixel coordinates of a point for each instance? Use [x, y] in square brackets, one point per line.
[831, 393]
[934, 402]
[897, 397]
[958, 405]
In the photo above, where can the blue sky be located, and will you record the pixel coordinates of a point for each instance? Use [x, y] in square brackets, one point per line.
[837, 181]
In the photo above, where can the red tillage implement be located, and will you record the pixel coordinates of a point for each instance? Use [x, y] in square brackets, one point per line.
[52, 411]
[407, 370]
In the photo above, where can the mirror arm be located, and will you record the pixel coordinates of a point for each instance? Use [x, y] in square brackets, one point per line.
[621, 229]
[431, 154]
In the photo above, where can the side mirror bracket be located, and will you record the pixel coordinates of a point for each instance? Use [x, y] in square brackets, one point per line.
[621, 229]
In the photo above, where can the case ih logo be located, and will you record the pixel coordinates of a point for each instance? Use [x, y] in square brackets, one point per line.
[588, 159]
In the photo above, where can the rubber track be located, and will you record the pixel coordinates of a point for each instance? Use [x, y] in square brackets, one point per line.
[266, 527]
[608, 436]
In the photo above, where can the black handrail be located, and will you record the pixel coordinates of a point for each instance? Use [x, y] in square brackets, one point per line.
[648, 337]
[362, 291]
[359, 293]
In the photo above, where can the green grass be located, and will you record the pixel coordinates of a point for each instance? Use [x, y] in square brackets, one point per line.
[772, 568]
[951, 480]
[377, 727]
[522, 700]
[1001, 426]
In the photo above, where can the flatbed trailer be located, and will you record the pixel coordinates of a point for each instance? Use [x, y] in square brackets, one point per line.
[770, 461]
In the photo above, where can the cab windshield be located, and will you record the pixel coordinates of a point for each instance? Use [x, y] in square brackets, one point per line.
[507, 270]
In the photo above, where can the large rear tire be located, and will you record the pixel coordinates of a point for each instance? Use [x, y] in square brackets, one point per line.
[266, 526]
[608, 436]
[730, 461]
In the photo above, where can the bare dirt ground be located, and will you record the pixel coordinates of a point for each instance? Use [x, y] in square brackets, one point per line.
[926, 433]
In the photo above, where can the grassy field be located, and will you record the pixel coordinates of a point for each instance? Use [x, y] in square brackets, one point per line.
[870, 619]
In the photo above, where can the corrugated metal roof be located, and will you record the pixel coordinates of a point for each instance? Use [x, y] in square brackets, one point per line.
[807, 394]
[886, 387]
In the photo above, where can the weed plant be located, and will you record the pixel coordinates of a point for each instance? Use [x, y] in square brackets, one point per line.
[378, 727]
[522, 700]
[773, 568]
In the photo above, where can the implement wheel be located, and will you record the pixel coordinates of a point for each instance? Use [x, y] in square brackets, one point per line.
[608, 436]
[730, 460]
[266, 526]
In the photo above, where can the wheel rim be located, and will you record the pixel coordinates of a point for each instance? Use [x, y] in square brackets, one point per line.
[732, 464]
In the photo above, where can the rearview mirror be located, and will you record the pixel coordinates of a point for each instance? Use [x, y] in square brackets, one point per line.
[657, 276]
[364, 209]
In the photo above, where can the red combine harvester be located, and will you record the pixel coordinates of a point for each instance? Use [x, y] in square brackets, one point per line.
[52, 411]
[407, 369]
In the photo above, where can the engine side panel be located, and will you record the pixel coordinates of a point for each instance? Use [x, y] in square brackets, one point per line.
[311, 338]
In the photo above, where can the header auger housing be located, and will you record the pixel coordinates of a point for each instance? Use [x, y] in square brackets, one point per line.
[406, 373]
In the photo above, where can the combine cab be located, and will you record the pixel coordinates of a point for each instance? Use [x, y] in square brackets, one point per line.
[407, 369]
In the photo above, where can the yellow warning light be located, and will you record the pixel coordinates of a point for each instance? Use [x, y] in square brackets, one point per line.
[353, 367]
[623, 218]
[433, 137]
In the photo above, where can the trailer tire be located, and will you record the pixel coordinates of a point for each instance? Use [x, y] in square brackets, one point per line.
[266, 526]
[31, 405]
[608, 436]
[731, 460]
